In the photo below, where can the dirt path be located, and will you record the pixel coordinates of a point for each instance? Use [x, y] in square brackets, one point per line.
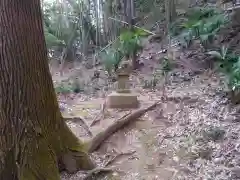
[166, 143]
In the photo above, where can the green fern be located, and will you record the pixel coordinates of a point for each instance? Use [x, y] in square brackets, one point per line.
[234, 76]
[63, 88]
[51, 40]
[202, 24]
[111, 59]
[166, 66]
[129, 43]
[229, 64]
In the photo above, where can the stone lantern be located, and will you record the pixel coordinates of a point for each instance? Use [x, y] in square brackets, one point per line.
[123, 83]
[123, 79]
[123, 97]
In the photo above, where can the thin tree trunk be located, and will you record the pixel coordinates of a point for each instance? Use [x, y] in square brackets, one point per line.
[130, 20]
[33, 135]
[171, 14]
[135, 63]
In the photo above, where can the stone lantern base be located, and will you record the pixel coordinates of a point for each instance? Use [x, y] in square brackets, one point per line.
[122, 100]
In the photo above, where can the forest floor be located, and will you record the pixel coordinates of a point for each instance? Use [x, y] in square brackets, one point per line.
[194, 135]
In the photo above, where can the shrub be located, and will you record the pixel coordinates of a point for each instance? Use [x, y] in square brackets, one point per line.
[199, 24]
[229, 63]
[129, 43]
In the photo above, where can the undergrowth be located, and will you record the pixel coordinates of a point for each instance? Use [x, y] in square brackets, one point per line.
[129, 43]
[203, 24]
[229, 64]
[69, 87]
[199, 23]
[162, 71]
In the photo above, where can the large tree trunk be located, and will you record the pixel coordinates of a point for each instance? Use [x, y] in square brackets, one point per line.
[33, 135]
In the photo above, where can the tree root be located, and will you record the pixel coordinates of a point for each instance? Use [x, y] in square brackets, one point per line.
[82, 123]
[126, 119]
[96, 171]
[100, 138]
[74, 161]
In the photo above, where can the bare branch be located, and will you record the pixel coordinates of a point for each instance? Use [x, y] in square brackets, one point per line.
[133, 25]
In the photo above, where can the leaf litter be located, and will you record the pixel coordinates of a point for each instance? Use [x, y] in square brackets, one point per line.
[195, 135]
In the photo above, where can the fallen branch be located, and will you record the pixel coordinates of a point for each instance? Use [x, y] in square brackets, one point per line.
[96, 120]
[96, 171]
[82, 123]
[233, 8]
[126, 119]
[117, 156]
[101, 116]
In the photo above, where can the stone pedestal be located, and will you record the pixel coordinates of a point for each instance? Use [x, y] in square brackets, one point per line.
[122, 100]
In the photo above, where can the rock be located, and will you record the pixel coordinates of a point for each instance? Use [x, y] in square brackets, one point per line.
[218, 160]
[176, 159]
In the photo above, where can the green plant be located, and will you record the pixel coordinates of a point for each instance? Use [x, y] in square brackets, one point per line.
[200, 24]
[234, 76]
[77, 86]
[52, 40]
[225, 60]
[63, 88]
[166, 66]
[129, 43]
[229, 63]
[111, 59]
[220, 55]
[153, 81]
[66, 87]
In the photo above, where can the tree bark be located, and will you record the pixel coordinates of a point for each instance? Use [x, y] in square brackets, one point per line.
[33, 135]
[170, 11]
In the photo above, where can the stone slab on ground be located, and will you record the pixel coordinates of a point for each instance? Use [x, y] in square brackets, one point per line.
[122, 100]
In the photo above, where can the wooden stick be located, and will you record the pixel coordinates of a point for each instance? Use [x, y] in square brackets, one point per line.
[120, 123]
[95, 171]
[133, 25]
[117, 156]
[108, 45]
